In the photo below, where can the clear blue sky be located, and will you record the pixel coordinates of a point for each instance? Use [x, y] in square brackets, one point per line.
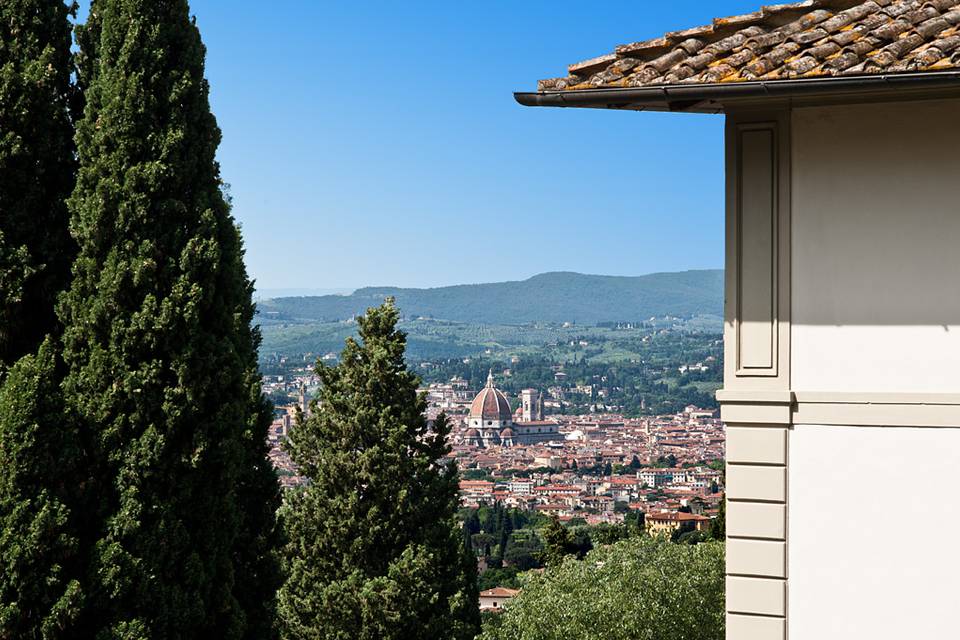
[379, 143]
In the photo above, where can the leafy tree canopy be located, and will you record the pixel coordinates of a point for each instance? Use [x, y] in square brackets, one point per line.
[642, 587]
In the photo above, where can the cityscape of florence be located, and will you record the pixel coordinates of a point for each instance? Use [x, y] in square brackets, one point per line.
[598, 473]
[499, 321]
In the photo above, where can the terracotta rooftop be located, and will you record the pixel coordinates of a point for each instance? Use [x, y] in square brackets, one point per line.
[812, 39]
[490, 403]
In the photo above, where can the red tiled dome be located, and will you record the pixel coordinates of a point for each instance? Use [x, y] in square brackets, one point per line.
[491, 404]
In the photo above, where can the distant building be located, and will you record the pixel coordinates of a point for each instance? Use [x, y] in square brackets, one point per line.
[489, 417]
[494, 599]
[521, 486]
[532, 432]
[668, 522]
[531, 405]
[302, 400]
[490, 421]
[553, 462]
[658, 477]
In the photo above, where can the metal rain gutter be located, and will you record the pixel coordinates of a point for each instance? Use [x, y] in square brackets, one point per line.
[682, 97]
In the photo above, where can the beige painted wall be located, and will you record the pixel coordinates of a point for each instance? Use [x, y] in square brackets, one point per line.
[875, 296]
[876, 248]
[872, 518]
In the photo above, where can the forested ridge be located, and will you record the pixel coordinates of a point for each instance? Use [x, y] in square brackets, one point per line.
[548, 297]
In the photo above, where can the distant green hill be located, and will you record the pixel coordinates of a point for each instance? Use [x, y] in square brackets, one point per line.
[549, 297]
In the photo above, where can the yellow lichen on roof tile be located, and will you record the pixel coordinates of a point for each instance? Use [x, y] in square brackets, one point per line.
[943, 63]
[733, 77]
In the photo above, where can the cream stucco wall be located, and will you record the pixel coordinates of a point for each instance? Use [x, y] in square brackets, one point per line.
[872, 518]
[876, 248]
[875, 303]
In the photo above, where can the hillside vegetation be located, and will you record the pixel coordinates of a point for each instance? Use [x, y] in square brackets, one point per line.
[549, 297]
[627, 350]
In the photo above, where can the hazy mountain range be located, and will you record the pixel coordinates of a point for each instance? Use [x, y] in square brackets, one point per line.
[548, 297]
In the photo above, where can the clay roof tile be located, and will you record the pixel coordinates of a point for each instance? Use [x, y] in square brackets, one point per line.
[801, 39]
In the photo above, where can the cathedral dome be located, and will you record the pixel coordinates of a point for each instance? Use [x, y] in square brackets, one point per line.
[506, 433]
[472, 433]
[491, 404]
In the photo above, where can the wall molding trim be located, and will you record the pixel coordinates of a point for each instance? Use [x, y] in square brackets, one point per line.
[778, 408]
[756, 403]
[877, 409]
[759, 396]
[836, 397]
[757, 287]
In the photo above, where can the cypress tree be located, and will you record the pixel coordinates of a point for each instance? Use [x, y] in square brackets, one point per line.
[41, 460]
[558, 543]
[718, 526]
[469, 579]
[159, 351]
[41, 492]
[37, 168]
[506, 529]
[374, 551]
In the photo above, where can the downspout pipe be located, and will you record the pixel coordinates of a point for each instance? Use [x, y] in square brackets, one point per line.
[681, 97]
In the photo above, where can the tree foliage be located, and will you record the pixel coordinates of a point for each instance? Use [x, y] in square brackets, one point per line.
[42, 476]
[159, 348]
[636, 367]
[718, 526]
[375, 550]
[604, 533]
[642, 587]
[41, 458]
[500, 577]
[37, 168]
[558, 543]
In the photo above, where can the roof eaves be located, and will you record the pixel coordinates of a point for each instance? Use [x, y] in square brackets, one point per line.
[711, 97]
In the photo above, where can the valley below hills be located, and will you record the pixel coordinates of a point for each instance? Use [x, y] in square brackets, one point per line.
[659, 336]
[558, 297]
[549, 315]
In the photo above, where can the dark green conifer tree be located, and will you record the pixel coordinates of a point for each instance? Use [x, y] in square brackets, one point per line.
[374, 552]
[41, 470]
[472, 522]
[42, 480]
[718, 526]
[506, 530]
[159, 348]
[470, 583]
[558, 543]
[36, 170]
